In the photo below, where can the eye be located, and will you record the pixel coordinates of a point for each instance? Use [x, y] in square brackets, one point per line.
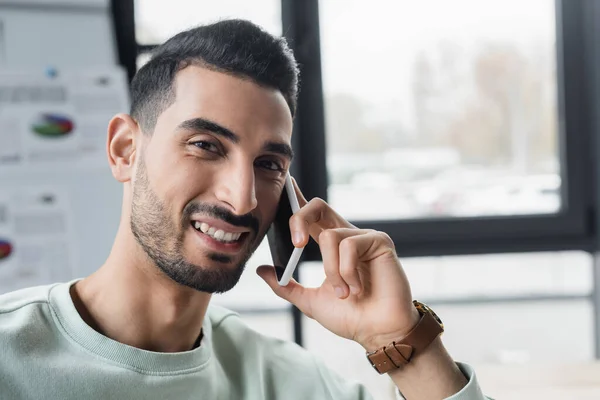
[207, 146]
[270, 165]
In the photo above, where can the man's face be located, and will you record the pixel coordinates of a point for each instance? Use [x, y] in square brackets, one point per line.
[208, 181]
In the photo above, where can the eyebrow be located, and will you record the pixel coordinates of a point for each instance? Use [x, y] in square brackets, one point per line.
[202, 124]
[280, 148]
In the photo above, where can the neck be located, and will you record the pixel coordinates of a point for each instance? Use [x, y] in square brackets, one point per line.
[129, 300]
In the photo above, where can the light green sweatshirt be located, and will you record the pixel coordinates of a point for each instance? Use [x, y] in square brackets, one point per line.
[48, 352]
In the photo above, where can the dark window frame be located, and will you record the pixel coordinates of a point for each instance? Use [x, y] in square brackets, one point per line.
[573, 228]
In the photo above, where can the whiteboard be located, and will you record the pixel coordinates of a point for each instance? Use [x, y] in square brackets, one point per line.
[59, 204]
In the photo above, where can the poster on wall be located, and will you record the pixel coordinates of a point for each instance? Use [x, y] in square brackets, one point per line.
[37, 244]
[55, 119]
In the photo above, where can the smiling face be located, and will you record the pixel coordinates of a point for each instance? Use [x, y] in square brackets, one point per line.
[208, 180]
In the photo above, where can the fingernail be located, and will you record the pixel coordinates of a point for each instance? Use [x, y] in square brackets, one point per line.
[297, 237]
[339, 292]
[354, 289]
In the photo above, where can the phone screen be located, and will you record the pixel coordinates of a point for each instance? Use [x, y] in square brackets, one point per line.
[279, 235]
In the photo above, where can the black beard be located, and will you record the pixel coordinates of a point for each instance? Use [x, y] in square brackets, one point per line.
[159, 238]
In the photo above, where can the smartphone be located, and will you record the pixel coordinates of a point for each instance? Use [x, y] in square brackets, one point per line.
[285, 255]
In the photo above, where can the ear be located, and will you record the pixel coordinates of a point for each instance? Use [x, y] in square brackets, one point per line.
[123, 136]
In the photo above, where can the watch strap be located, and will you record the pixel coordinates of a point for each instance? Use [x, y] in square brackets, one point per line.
[399, 353]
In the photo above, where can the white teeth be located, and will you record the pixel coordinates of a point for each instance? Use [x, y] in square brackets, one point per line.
[215, 233]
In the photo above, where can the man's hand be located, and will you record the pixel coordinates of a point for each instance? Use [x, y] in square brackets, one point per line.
[366, 296]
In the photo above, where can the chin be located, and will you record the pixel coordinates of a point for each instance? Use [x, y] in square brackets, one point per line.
[212, 261]
[209, 276]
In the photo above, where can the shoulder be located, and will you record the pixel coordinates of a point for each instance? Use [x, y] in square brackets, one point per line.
[15, 301]
[229, 326]
[281, 362]
[25, 317]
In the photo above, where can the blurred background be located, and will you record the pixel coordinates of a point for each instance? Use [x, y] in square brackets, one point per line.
[465, 129]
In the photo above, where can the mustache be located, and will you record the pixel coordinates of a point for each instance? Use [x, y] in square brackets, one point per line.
[244, 221]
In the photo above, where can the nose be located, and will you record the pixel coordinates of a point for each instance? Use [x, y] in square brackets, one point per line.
[236, 188]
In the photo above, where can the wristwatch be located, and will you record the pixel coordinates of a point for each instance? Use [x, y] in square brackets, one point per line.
[402, 351]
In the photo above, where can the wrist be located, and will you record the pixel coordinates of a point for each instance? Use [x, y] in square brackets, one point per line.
[381, 339]
[415, 358]
[431, 374]
[399, 351]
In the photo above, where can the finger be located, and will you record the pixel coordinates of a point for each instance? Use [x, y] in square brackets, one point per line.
[362, 248]
[329, 244]
[292, 292]
[349, 265]
[312, 219]
[367, 247]
[304, 223]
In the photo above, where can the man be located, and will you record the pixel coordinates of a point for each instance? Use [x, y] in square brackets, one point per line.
[203, 158]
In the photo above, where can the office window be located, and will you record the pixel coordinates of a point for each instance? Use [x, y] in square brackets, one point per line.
[158, 20]
[142, 59]
[441, 109]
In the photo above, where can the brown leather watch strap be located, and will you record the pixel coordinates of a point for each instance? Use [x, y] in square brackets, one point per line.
[399, 353]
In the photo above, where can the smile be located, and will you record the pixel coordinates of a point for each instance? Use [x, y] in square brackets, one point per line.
[217, 234]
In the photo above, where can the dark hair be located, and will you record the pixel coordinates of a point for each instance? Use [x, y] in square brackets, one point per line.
[235, 47]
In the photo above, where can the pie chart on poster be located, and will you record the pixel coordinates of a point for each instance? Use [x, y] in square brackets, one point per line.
[5, 249]
[50, 125]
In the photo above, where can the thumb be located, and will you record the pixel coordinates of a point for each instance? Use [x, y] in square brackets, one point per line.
[293, 292]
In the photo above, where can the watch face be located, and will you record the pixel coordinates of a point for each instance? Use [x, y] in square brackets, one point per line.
[424, 308]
